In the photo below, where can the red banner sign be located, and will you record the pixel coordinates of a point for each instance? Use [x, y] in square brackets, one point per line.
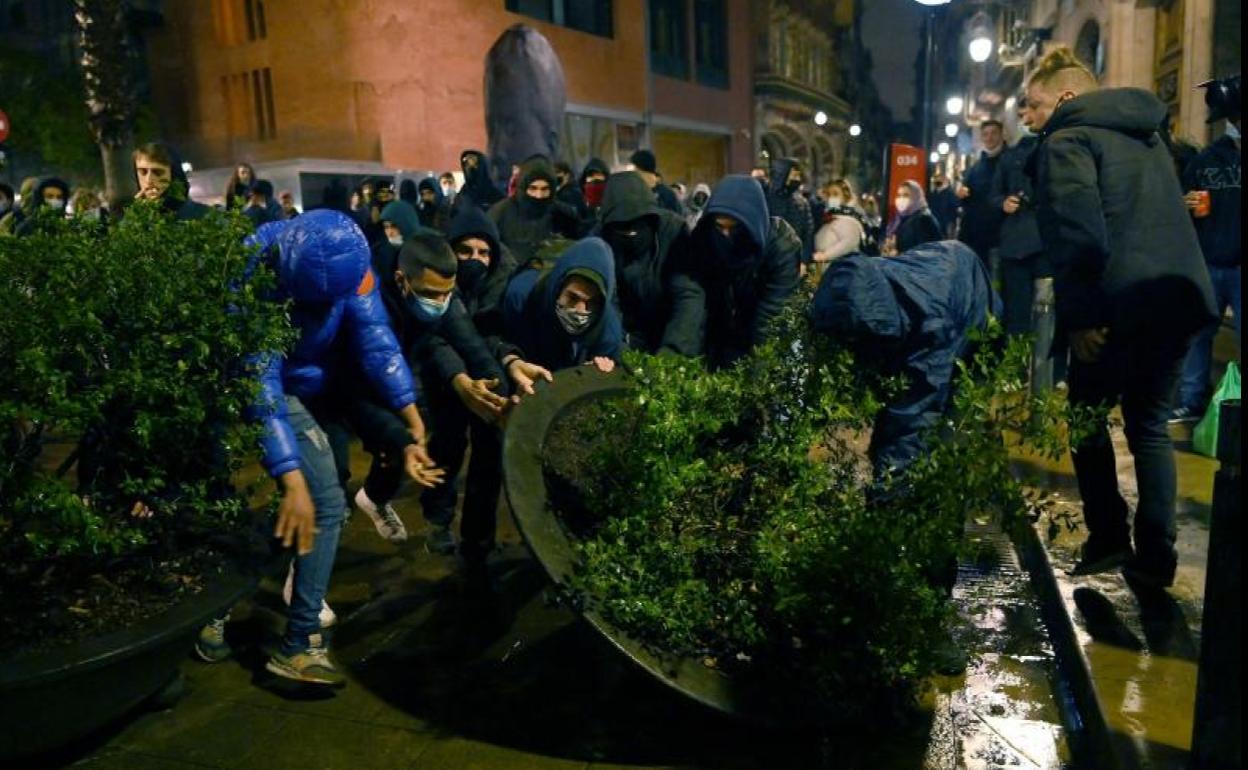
[903, 163]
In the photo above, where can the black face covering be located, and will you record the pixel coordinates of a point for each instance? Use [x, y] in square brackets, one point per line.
[792, 186]
[630, 241]
[735, 252]
[534, 208]
[470, 274]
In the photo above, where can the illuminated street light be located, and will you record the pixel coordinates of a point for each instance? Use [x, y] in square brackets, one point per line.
[951, 130]
[980, 46]
[821, 118]
[1011, 103]
[855, 130]
[935, 157]
[932, 3]
[943, 148]
[186, 167]
[954, 105]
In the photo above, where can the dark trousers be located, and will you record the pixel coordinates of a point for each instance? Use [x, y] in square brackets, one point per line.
[452, 426]
[339, 418]
[1141, 375]
[1025, 313]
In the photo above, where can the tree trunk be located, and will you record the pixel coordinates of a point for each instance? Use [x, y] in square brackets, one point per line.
[119, 181]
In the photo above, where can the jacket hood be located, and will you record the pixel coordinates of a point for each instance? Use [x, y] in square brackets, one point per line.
[594, 164]
[407, 192]
[402, 215]
[855, 302]
[48, 183]
[700, 187]
[741, 197]
[532, 170]
[323, 256]
[472, 222]
[627, 198]
[431, 184]
[1131, 111]
[780, 168]
[590, 257]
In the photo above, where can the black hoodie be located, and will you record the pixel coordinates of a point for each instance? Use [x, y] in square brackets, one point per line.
[1113, 222]
[477, 187]
[789, 205]
[660, 301]
[525, 223]
[1218, 170]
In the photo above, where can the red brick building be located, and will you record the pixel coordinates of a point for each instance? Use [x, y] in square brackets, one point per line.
[400, 83]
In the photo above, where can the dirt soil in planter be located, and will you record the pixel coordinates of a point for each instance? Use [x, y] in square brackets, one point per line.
[575, 436]
[55, 605]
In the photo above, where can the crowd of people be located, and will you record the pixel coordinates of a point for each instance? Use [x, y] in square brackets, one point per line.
[427, 312]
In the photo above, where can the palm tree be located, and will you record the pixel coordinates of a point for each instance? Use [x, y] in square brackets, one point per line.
[108, 57]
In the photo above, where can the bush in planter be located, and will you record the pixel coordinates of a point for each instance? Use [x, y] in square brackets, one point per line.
[123, 345]
[740, 528]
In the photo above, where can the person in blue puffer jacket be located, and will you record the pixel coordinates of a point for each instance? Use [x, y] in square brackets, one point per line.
[910, 315]
[322, 263]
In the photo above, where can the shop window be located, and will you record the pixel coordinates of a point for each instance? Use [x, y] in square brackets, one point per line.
[592, 16]
[711, 42]
[669, 38]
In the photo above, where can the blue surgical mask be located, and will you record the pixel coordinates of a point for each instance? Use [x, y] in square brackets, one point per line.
[427, 309]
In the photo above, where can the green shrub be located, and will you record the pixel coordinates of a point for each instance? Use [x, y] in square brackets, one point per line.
[743, 527]
[122, 349]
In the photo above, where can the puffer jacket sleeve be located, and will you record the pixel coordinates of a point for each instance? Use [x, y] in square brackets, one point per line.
[1075, 233]
[780, 277]
[279, 444]
[375, 345]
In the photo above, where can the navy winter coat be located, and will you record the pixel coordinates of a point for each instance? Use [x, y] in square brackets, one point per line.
[911, 315]
[322, 263]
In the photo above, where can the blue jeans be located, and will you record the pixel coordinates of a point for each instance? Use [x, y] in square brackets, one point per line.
[312, 570]
[1195, 390]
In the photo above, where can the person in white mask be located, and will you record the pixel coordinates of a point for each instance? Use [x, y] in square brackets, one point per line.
[51, 196]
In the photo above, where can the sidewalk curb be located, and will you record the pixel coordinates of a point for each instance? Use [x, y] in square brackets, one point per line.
[1094, 745]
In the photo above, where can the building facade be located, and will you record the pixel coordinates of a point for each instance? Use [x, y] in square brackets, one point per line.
[401, 84]
[803, 47]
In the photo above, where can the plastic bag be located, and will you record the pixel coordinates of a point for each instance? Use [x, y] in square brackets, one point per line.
[1205, 434]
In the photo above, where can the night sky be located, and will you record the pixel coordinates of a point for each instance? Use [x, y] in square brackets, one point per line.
[890, 30]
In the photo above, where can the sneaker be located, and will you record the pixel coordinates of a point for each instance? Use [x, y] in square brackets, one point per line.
[312, 666]
[1097, 558]
[327, 616]
[384, 518]
[1147, 575]
[211, 646]
[1185, 414]
[440, 540]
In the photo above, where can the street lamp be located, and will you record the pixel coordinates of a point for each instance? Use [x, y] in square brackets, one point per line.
[951, 130]
[187, 167]
[943, 148]
[934, 157]
[855, 130]
[931, 5]
[954, 105]
[980, 47]
[821, 118]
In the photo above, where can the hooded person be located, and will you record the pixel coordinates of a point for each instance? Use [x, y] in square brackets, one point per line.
[696, 204]
[644, 163]
[593, 184]
[565, 315]
[911, 315]
[913, 224]
[321, 262]
[532, 215]
[747, 263]
[568, 190]
[408, 193]
[477, 188]
[160, 177]
[431, 207]
[49, 199]
[261, 206]
[1131, 288]
[785, 200]
[660, 302]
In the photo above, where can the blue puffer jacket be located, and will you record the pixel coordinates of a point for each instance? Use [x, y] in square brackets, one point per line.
[322, 263]
[912, 315]
[529, 309]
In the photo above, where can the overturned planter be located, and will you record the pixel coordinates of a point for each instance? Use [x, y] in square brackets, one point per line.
[51, 699]
[523, 445]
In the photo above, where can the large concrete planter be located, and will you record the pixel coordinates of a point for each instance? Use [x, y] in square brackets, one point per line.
[549, 541]
[50, 699]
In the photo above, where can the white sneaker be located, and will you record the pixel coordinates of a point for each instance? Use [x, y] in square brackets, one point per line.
[384, 518]
[327, 616]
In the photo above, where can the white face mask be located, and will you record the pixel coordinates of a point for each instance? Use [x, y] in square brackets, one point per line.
[902, 205]
[56, 204]
[396, 240]
[835, 203]
[446, 189]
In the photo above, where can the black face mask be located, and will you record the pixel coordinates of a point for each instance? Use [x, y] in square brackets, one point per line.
[630, 241]
[735, 252]
[792, 186]
[469, 275]
[534, 208]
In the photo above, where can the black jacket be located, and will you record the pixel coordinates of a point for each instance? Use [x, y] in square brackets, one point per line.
[667, 200]
[659, 298]
[1020, 233]
[1218, 170]
[477, 189]
[790, 206]
[1113, 222]
[746, 291]
[917, 229]
[981, 222]
[524, 226]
